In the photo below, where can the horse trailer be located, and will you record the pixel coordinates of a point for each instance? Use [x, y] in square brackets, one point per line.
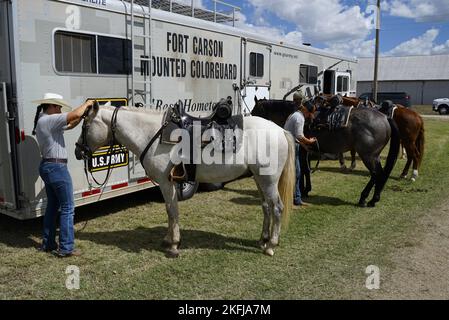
[151, 54]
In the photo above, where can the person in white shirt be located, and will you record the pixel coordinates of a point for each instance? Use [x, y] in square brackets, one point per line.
[49, 125]
[295, 125]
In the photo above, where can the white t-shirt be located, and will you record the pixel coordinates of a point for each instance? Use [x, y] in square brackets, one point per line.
[50, 135]
[295, 124]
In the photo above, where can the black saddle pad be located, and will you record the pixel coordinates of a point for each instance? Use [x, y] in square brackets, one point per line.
[388, 107]
[339, 118]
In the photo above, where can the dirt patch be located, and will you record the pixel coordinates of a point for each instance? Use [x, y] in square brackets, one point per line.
[421, 266]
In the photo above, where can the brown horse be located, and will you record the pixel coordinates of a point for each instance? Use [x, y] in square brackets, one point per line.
[411, 132]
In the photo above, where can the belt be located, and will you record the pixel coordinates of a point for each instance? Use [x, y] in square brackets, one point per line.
[55, 160]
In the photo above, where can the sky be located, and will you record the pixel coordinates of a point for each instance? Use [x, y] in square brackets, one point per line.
[408, 27]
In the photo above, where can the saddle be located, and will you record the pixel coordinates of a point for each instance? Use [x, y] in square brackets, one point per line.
[220, 128]
[339, 118]
[388, 108]
[334, 119]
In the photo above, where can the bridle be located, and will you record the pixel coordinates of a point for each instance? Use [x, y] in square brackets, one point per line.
[87, 153]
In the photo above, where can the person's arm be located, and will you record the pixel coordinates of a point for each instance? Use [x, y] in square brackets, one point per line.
[74, 116]
[306, 141]
[300, 138]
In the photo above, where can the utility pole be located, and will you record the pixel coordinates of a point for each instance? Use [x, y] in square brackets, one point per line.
[376, 58]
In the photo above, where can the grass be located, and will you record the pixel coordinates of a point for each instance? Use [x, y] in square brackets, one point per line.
[323, 254]
[424, 109]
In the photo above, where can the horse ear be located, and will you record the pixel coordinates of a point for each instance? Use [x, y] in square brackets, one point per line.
[96, 106]
[255, 99]
[108, 104]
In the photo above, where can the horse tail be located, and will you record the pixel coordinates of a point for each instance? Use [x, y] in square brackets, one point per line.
[286, 183]
[395, 144]
[420, 142]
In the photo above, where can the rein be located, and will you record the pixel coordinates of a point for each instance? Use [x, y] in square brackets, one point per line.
[319, 157]
[87, 153]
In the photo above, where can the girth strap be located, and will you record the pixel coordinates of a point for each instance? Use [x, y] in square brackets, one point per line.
[145, 151]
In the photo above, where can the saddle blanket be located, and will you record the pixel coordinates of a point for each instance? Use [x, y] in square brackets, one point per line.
[339, 118]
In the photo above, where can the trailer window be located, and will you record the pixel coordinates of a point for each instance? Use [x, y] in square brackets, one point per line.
[256, 64]
[342, 84]
[308, 74]
[114, 55]
[75, 52]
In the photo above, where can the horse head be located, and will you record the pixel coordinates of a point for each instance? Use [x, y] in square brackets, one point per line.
[94, 134]
[258, 109]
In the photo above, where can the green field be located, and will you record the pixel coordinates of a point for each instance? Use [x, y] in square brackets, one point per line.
[323, 254]
[424, 109]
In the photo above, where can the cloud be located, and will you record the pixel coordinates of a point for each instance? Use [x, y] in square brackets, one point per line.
[422, 45]
[293, 37]
[320, 20]
[419, 10]
[356, 48]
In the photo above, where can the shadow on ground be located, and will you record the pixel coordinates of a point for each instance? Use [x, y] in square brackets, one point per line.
[22, 234]
[150, 239]
[324, 200]
[363, 173]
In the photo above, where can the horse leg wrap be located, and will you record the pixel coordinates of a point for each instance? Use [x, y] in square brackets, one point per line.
[415, 175]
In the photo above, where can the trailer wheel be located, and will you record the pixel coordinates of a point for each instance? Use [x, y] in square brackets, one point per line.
[211, 186]
[186, 190]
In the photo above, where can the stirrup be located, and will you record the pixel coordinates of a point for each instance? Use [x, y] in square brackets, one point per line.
[178, 173]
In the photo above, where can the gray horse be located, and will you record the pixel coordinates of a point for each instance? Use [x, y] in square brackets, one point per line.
[367, 132]
[134, 128]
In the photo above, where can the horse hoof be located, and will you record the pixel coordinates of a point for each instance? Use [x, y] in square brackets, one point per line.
[263, 243]
[413, 179]
[362, 204]
[371, 204]
[403, 176]
[172, 254]
[269, 252]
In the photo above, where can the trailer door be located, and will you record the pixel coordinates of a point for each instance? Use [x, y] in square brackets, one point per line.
[256, 71]
[7, 193]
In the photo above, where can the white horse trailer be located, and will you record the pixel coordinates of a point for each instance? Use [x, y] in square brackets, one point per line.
[147, 53]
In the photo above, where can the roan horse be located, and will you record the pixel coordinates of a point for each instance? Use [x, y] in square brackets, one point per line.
[135, 128]
[411, 131]
[367, 133]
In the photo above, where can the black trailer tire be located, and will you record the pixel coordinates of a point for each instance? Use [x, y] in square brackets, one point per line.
[209, 187]
[186, 190]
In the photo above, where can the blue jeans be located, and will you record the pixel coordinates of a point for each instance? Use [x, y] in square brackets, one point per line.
[59, 188]
[297, 196]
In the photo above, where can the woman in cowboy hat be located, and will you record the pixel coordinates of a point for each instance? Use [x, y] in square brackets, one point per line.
[49, 125]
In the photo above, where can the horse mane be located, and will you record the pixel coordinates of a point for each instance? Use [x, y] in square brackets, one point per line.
[133, 109]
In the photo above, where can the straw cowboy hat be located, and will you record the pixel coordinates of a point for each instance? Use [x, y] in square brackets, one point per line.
[298, 96]
[53, 98]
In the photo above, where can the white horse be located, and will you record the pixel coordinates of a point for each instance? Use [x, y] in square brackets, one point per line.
[134, 128]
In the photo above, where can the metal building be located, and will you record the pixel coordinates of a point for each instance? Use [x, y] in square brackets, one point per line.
[424, 78]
